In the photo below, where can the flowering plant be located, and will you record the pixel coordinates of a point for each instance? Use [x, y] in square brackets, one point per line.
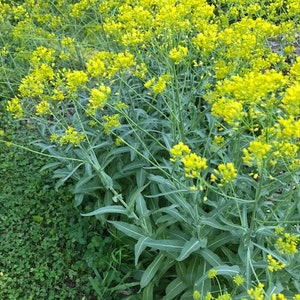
[180, 120]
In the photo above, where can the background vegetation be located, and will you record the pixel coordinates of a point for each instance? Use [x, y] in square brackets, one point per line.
[176, 125]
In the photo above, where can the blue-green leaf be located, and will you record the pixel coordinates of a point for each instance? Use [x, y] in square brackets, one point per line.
[175, 287]
[212, 258]
[191, 246]
[116, 209]
[139, 247]
[165, 245]
[128, 229]
[152, 270]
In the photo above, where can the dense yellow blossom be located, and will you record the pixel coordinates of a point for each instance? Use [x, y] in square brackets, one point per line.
[256, 153]
[71, 136]
[13, 106]
[178, 54]
[279, 296]
[238, 280]
[257, 293]
[111, 122]
[273, 264]
[179, 151]
[98, 99]
[42, 108]
[287, 244]
[193, 164]
[225, 296]
[75, 80]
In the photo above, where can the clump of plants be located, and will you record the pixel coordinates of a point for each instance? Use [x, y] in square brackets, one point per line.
[48, 251]
[180, 119]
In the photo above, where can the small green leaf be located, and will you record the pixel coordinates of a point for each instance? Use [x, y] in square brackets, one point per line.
[38, 219]
[191, 246]
[115, 209]
[151, 270]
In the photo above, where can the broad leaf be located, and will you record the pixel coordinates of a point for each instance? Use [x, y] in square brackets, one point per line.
[191, 246]
[115, 209]
[139, 247]
[128, 229]
[151, 270]
[174, 289]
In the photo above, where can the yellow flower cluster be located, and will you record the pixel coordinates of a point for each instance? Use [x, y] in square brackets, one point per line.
[111, 122]
[178, 54]
[226, 173]
[71, 136]
[287, 244]
[273, 264]
[193, 163]
[158, 85]
[212, 273]
[257, 293]
[13, 106]
[98, 99]
[75, 80]
[179, 151]
[256, 153]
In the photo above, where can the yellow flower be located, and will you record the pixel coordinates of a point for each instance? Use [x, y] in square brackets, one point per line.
[193, 164]
[279, 230]
[13, 106]
[110, 122]
[178, 54]
[256, 153]
[71, 136]
[238, 280]
[75, 80]
[227, 172]
[291, 100]
[209, 296]
[98, 99]
[179, 151]
[196, 295]
[212, 273]
[273, 264]
[225, 296]
[278, 297]
[42, 108]
[257, 293]
[287, 244]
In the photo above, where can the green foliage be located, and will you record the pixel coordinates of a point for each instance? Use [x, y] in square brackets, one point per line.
[179, 122]
[47, 250]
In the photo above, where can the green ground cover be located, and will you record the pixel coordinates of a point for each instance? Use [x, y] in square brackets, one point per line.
[48, 251]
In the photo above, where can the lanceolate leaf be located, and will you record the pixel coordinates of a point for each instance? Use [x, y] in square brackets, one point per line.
[128, 229]
[176, 287]
[191, 246]
[212, 258]
[165, 245]
[139, 247]
[152, 270]
[118, 209]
